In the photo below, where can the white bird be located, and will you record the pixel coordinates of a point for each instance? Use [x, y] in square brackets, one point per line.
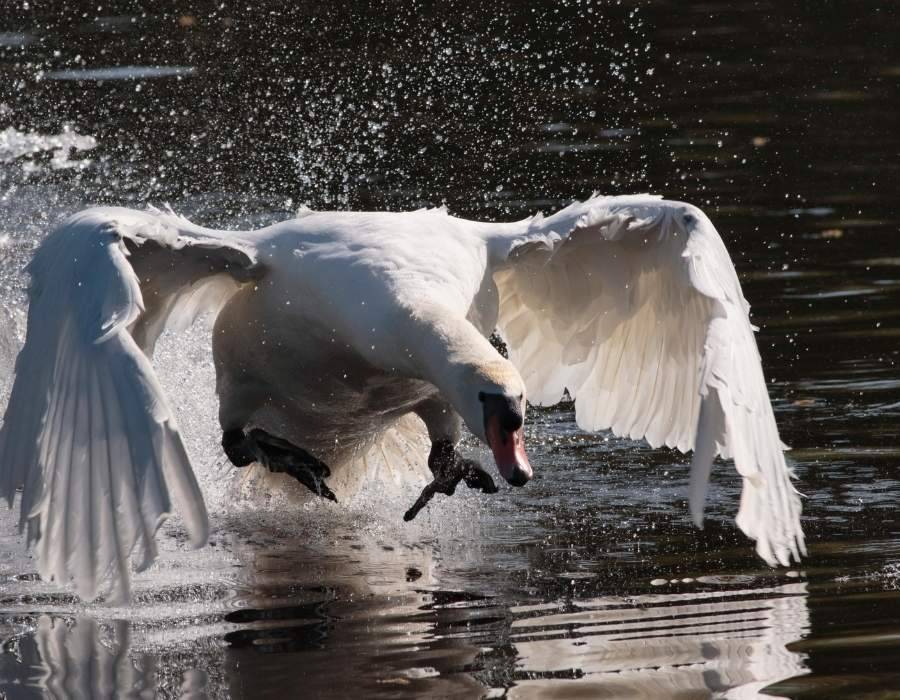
[332, 326]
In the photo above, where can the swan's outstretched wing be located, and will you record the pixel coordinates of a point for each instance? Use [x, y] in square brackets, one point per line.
[632, 304]
[88, 435]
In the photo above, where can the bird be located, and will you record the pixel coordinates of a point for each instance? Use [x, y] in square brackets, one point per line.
[331, 327]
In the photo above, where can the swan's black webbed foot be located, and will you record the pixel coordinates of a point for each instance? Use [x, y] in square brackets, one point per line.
[449, 469]
[278, 455]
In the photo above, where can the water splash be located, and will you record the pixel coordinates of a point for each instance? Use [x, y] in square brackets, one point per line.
[16, 145]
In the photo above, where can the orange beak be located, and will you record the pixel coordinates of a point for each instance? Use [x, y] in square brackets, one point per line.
[509, 452]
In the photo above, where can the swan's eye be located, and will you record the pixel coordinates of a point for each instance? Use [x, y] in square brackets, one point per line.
[505, 408]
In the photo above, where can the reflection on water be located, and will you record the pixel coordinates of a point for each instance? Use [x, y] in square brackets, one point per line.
[778, 118]
[372, 619]
[732, 643]
[71, 659]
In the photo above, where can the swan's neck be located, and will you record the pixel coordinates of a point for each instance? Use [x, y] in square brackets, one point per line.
[447, 345]
[452, 354]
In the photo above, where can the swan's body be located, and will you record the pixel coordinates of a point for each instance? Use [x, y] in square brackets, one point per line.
[333, 356]
[333, 326]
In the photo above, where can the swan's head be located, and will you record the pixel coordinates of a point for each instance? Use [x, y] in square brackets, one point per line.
[496, 414]
[504, 429]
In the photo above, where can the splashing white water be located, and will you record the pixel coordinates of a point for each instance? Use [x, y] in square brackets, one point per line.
[15, 144]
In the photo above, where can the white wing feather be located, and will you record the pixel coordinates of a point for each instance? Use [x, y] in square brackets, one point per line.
[88, 435]
[632, 305]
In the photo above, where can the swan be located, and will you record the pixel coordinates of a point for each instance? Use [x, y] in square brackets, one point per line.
[331, 327]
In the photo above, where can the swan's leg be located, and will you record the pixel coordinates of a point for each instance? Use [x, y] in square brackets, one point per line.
[279, 456]
[238, 447]
[237, 404]
[238, 401]
[449, 468]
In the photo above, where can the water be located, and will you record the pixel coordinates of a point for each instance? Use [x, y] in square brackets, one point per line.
[778, 118]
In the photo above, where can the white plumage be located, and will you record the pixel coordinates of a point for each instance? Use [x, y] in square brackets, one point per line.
[635, 308]
[334, 326]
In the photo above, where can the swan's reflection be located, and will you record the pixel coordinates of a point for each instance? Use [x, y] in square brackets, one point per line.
[75, 660]
[355, 620]
[373, 616]
[728, 644]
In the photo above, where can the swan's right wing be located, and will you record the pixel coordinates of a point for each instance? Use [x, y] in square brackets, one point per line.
[88, 435]
[633, 306]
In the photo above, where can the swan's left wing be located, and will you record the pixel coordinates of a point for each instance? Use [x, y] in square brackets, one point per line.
[633, 306]
[88, 437]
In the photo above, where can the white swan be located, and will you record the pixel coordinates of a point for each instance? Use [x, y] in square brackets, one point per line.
[332, 326]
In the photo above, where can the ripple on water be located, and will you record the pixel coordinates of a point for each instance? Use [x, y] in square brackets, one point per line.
[645, 646]
[121, 73]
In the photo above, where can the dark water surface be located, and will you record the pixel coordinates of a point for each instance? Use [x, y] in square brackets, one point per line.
[779, 118]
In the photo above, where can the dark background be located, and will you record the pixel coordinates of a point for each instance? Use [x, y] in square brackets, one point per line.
[398, 104]
[778, 118]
